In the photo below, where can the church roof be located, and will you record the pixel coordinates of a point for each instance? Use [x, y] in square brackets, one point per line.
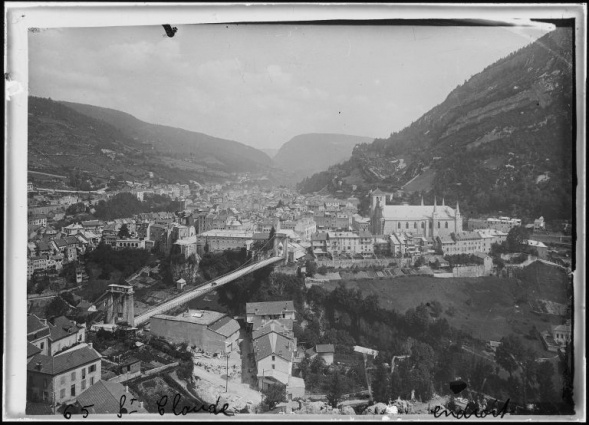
[416, 212]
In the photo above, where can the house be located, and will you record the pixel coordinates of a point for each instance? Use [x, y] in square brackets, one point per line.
[326, 352]
[492, 346]
[38, 333]
[65, 333]
[280, 326]
[72, 229]
[61, 378]
[221, 240]
[561, 334]
[539, 224]
[105, 398]
[130, 367]
[258, 314]
[38, 220]
[274, 356]
[187, 246]
[95, 226]
[485, 260]
[180, 284]
[538, 246]
[209, 330]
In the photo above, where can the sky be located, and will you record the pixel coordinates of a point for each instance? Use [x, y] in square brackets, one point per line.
[261, 85]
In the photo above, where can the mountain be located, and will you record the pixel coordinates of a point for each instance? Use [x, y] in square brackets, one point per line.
[179, 143]
[270, 152]
[65, 136]
[308, 153]
[501, 142]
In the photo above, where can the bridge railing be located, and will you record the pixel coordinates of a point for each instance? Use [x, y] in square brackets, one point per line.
[200, 290]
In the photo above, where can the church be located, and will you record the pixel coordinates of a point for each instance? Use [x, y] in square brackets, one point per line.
[423, 220]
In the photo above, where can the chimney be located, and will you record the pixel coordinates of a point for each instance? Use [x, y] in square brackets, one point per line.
[126, 388]
[90, 345]
[38, 366]
[141, 405]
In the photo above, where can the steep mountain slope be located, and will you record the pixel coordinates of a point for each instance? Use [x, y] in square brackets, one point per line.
[179, 143]
[502, 141]
[308, 153]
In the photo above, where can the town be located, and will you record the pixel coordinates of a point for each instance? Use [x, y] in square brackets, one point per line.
[147, 321]
[301, 219]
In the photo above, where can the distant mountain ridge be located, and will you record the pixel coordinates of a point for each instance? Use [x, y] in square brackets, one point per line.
[177, 141]
[502, 141]
[306, 154]
[66, 137]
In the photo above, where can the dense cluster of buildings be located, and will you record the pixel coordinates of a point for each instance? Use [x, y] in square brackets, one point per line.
[219, 217]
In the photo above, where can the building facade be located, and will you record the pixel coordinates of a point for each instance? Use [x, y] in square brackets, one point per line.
[425, 220]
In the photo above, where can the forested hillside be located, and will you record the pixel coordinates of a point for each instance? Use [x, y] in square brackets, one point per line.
[502, 141]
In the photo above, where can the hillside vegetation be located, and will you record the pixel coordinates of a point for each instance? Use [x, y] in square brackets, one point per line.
[502, 141]
[306, 154]
[90, 145]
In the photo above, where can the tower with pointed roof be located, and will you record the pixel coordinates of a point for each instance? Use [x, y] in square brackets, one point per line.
[376, 219]
[458, 219]
[435, 219]
[377, 196]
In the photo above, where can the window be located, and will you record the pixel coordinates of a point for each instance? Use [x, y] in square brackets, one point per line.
[44, 383]
[45, 395]
[83, 373]
[414, 225]
[92, 368]
[438, 224]
[62, 393]
[446, 225]
[62, 381]
[92, 380]
[273, 358]
[83, 385]
[73, 390]
[42, 346]
[273, 367]
[422, 225]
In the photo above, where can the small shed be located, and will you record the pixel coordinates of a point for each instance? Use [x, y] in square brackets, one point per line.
[180, 284]
[130, 366]
[326, 352]
[492, 345]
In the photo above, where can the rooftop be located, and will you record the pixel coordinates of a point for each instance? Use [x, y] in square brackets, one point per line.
[105, 397]
[200, 317]
[325, 348]
[272, 307]
[63, 362]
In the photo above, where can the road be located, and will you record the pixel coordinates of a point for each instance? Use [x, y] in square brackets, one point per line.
[201, 290]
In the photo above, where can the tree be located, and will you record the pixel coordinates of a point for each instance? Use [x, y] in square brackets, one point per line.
[322, 270]
[272, 234]
[419, 262]
[273, 395]
[334, 390]
[544, 378]
[515, 238]
[509, 353]
[124, 232]
[57, 307]
[311, 268]
[381, 386]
